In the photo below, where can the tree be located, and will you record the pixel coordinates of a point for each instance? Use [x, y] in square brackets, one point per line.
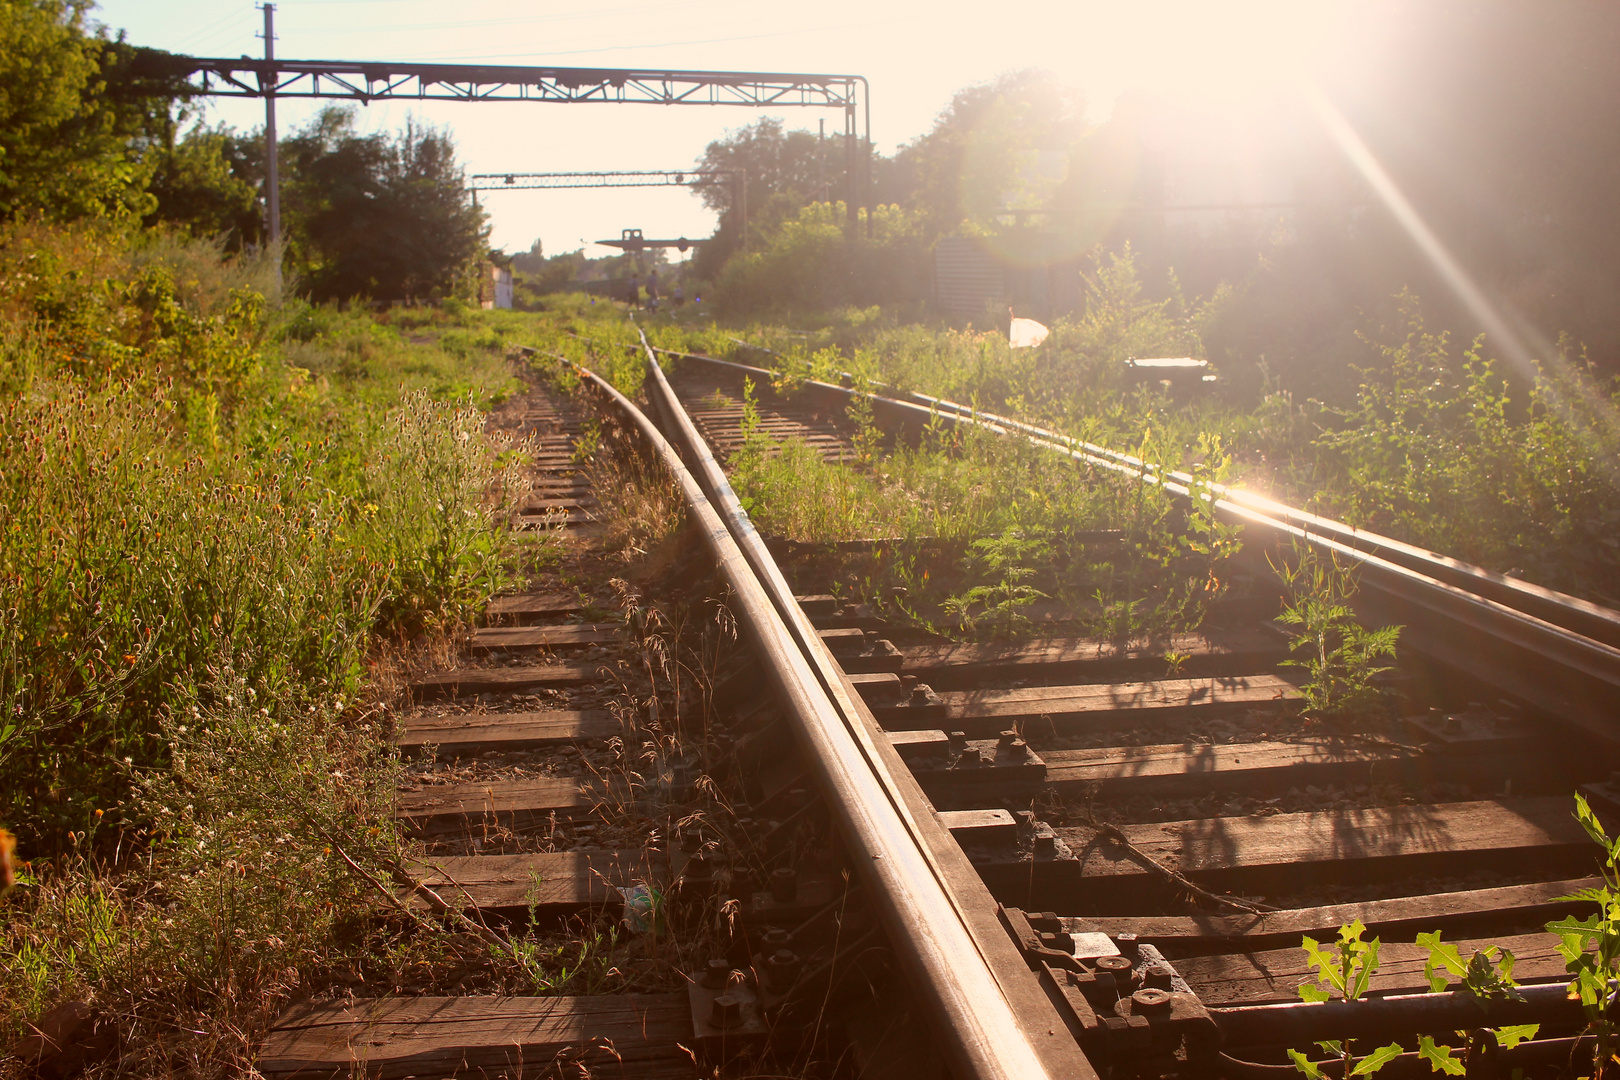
[799, 164]
[1000, 147]
[372, 216]
[69, 144]
[208, 183]
[785, 171]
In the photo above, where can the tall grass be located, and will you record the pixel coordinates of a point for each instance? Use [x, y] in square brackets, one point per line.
[214, 519]
[133, 569]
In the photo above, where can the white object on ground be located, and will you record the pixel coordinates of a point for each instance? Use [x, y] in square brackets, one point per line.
[1026, 333]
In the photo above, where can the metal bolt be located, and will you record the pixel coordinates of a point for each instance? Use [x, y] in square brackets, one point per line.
[782, 969]
[957, 740]
[908, 682]
[717, 972]
[1127, 944]
[776, 938]
[785, 884]
[1007, 738]
[970, 758]
[1120, 968]
[1158, 975]
[1150, 1000]
[727, 1011]
[922, 694]
[1045, 842]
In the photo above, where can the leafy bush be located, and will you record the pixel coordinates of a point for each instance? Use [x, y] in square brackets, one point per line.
[131, 568]
[815, 261]
[1438, 451]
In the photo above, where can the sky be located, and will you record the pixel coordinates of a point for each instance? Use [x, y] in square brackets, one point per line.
[916, 57]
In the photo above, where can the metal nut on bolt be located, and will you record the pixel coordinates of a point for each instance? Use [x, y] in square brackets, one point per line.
[1150, 1000]
[1159, 975]
[785, 884]
[716, 973]
[727, 1011]
[1117, 965]
[782, 969]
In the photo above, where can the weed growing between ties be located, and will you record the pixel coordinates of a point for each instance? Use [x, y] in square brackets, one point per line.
[1589, 946]
[1345, 969]
[1339, 655]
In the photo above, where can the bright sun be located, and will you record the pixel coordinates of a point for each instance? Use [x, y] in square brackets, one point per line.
[1203, 51]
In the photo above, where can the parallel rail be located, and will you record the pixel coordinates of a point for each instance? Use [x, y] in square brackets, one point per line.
[1551, 650]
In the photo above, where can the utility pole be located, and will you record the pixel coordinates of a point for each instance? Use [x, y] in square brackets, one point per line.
[272, 193]
[821, 159]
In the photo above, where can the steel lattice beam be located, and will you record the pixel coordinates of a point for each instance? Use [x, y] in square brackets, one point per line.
[384, 80]
[616, 179]
[367, 80]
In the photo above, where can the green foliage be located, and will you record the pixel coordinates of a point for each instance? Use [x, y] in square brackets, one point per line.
[1007, 563]
[90, 305]
[1442, 451]
[1488, 973]
[1347, 968]
[1340, 655]
[814, 260]
[207, 183]
[1344, 968]
[1591, 947]
[388, 219]
[68, 147]
[132, 567]
[211, 519]
[997, 147]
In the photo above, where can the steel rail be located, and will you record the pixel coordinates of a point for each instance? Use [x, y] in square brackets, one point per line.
[1582, 616]
[1508, 640]
[983, 1036]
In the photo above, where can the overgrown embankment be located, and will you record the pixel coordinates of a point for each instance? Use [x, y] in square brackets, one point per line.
[221, 523]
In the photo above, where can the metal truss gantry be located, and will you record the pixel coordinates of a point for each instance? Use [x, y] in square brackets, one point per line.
[376, 80]
[383, 80]
[516, 181]
[368, 80]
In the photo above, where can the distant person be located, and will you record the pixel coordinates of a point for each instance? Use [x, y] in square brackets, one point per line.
[633, 297]
[680, 296]
[652, 290]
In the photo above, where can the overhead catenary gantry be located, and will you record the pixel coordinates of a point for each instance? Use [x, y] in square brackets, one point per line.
[381, 80]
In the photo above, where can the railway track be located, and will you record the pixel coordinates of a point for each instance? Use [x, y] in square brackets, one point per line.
[1071, 860]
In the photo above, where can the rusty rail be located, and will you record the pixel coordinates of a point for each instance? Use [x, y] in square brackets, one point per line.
[982, 1014]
